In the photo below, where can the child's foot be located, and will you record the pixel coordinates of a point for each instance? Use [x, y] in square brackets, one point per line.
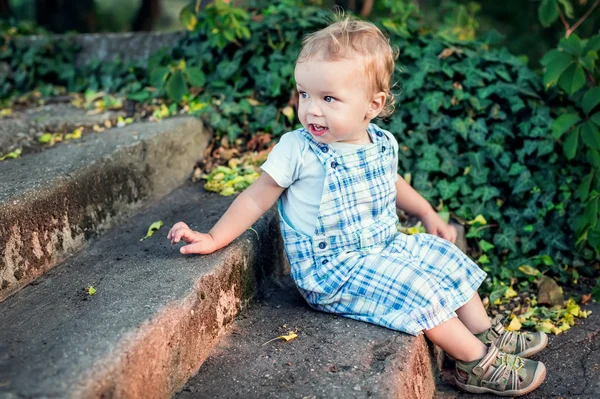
[500, 374]
[514, 342]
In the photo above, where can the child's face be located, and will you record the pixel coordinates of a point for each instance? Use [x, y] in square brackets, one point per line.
[335, 103]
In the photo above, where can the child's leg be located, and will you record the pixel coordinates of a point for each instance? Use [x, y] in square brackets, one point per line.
[480, 369]
[473, 315]
[456, 340]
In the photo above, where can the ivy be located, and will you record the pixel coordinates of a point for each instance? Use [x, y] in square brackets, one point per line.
[474, 123]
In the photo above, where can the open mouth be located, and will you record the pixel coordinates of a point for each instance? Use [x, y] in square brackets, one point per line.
[317, 130]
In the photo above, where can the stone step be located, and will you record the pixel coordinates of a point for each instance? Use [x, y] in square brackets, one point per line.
[52, 202]
[332, 357]
[155, 315]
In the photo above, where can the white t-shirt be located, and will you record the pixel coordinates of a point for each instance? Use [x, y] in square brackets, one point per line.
[293, 164]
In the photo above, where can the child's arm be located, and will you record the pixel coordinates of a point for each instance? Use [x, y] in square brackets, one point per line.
[243, 212]
[412, 202]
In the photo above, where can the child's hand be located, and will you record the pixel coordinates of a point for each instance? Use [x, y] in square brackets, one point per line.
[198, 243]
[436, 226]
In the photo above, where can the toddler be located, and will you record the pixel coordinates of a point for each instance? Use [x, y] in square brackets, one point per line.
[336, 184]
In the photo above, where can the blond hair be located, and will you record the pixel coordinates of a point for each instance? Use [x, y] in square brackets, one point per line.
[348, 38]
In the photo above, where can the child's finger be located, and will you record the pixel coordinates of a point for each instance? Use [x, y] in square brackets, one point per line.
[176, 226]
[179, 234]
[195, 248]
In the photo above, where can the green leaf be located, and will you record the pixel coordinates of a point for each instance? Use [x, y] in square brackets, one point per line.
[564, 123]
[153, 227]
[523, 183]
[176, 86]
[556, 63]
[573, 79]
[590, 135]
[570, 144]
[571, 45]
[584, 188]
[596, 118]
[485, 246]
[188, 18]
[45, 138]
[195, 76]
[590, 99]
[547, 260]
[12, 155]
[593, 44]
[593, 158]
[158, 76]
[447, 190]
[506, 240]
[548, 12]
[568, 7]
[591, 212]
[589, 60]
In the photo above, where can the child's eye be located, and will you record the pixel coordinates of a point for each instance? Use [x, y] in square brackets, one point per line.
[303, 94]
[328, 99]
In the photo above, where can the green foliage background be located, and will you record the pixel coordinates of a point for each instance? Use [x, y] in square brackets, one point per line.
[474, 123]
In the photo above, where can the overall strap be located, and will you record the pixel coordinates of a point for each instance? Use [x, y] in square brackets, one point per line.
[323, 151]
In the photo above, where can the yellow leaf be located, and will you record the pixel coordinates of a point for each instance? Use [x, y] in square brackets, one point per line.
[407, 178]
[569, 319]
[75, 135]
[289, 113]
[291, 335]
[153, 227]
[515, 325]
[478, 219]
[573, 308]
[5, 112]
[556, 330]
[252, 102]
[545, 326]
[467, 170]
[510, 293]
[90, 290]
[227, 191]
[530, 271]
[564, 327]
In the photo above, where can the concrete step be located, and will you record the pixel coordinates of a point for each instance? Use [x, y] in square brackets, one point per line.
[332, 357]
[154, 318]
[53, 201]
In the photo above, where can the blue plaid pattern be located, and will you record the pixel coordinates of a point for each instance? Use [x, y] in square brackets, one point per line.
[357, 265]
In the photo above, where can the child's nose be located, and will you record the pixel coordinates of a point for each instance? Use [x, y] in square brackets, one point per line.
[314, 109]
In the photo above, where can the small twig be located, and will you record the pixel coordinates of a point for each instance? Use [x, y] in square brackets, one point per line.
[487, 226]
[563, 19]
[587, 14]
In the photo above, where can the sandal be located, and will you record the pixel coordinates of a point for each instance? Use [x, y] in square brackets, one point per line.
[500, 374]
[523, 344]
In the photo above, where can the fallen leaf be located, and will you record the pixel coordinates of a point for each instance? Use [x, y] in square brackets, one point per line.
[12, 155]
[90, 290]
[515, 325]
[291, 335]
[585, 298]
[549, 292]
[153, 227]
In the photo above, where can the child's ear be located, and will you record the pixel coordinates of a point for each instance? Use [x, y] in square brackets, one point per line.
[376, 106]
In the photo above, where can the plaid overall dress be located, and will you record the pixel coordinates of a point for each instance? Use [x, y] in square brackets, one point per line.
[357, 265]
